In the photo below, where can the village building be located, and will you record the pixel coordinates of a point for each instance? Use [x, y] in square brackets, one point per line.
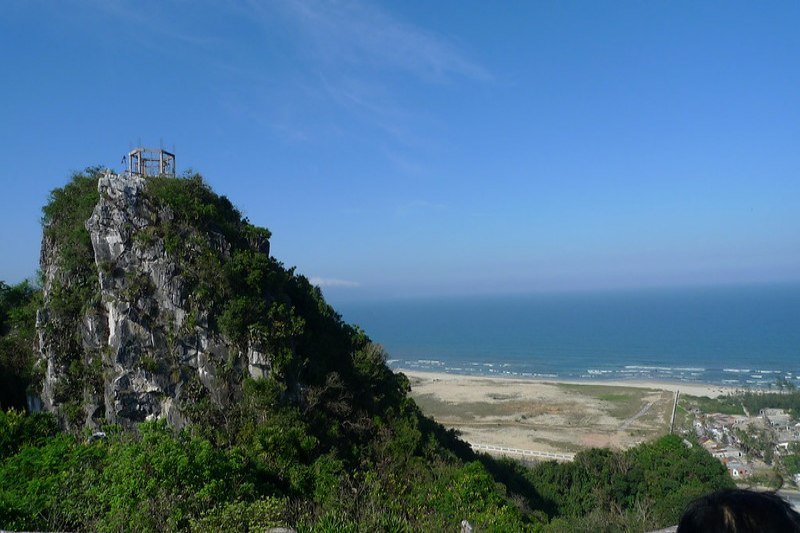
[739, 470]
[776, 417]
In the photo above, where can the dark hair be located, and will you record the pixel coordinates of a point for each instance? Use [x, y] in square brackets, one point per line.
[739, 511]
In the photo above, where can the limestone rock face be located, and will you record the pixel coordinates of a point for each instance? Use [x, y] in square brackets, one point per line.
[152, 354]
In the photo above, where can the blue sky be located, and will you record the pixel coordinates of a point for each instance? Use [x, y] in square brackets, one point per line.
[447, 147]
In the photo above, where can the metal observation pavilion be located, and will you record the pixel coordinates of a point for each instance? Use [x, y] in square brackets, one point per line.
[151, 162]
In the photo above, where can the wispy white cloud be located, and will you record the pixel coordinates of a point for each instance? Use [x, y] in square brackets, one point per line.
[349, 57]
[146, 23]
[363, 34]
[333, 282]
[374, 103]
[355, 53]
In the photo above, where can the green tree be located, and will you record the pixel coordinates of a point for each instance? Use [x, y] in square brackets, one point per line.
[18, 306]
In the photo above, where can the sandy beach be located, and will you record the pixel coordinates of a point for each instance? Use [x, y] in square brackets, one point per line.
[693, 389]
[550, 416]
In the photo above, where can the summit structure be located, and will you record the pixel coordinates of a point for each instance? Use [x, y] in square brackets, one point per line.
[151, 162]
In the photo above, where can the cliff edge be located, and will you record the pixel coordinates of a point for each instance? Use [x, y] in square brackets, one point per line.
[133, 333]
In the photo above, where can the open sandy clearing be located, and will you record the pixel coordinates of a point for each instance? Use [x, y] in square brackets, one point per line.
[547, 416]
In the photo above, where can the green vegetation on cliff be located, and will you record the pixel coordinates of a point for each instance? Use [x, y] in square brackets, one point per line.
[328, 441]
[74, 291]
[18, 306]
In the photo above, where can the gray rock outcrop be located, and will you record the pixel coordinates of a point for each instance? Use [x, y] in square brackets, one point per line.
[147, 353]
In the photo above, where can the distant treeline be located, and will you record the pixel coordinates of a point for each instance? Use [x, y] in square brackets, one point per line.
[787, 397]
[788, 400]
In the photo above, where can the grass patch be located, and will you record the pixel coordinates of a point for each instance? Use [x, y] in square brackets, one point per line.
[596, 391]
[621, 402]
[683, 419]
[465, 412]
[503, 397]
[612, 397]
[660, 414]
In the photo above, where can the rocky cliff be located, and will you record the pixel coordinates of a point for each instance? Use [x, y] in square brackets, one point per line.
[124, 338]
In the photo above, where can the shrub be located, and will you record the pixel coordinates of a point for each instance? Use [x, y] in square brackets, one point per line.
[18, 375]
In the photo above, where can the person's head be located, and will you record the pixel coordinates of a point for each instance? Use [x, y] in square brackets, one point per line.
[739, 511]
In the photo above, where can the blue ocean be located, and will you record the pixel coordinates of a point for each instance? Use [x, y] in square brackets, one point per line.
[736, 336]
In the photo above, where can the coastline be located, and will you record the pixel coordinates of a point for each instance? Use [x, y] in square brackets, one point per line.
[710, 390]
[550, 415]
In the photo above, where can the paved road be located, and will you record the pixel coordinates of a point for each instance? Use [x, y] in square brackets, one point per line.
[793, 497]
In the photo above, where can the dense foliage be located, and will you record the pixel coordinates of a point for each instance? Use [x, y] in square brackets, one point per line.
[156, 479]
[73, 289]
[728, 404]
[639, 489]
[329, 442]
[232, 283]
[18, 306]
[789, 400]
[787, 397]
